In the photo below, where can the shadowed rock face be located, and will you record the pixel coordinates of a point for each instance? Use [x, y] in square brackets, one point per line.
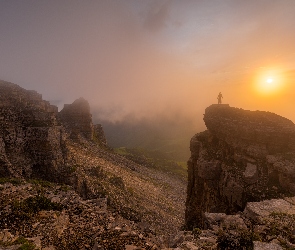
[29, 134]
[33, 135]
[77, 119]
[243, 156]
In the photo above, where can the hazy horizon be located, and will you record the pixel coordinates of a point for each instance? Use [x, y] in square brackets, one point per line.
[153, 60]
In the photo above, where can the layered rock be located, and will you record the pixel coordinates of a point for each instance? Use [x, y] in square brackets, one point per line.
[31, 141]
[34, 136]
[243, 156]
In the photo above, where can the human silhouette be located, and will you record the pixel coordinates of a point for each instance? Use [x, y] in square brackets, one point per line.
[219, 98]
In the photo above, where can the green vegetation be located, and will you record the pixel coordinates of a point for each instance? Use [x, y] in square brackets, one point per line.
[235, 240]
[121, 151]
[25, 244]
[280, 224]
[13, 181]
[65, 188]
[40, 182]
[33, 205]
[197, 232]
[154, 159]
[22, 211]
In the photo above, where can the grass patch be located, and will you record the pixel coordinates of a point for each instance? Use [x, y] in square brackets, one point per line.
[25, 244]
[235, 240]
[14, 181]
[25, 210]
[40, 182]
[154, 159]
[35, 204]
[121, 151]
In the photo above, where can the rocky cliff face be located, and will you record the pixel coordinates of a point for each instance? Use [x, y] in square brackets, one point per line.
[243, 156]
[31, 141]
[33, 135]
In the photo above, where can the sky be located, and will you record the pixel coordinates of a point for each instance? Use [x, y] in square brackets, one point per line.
[145, 59]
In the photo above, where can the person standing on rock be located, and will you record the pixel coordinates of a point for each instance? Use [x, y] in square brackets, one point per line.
[219, 98]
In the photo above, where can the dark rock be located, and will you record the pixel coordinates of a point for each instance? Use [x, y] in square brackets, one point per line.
[31, 141]
[77, 119]
[244, 156]
[99, 135]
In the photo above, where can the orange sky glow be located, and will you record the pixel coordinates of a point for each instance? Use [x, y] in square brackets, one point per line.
[153, 58]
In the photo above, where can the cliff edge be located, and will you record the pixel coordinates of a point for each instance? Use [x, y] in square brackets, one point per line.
[244, 156]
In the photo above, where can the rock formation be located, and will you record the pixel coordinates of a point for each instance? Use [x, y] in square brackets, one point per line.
[99, 136]
[77, 119]
[244, 156]
[33, 135]
[31, 141]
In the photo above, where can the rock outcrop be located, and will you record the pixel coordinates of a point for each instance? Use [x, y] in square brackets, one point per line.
[99, 136]
[33, 135]
[77, 119]
[31, 141]
[244, 156]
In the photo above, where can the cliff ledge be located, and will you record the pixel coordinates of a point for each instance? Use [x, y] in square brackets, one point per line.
[244, 156]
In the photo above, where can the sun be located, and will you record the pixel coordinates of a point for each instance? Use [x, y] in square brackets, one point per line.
[269, 80]
[269, 83]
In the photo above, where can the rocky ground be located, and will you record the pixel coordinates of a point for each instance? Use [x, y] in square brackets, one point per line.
[137, 192]
[42, 215]
[113, 203]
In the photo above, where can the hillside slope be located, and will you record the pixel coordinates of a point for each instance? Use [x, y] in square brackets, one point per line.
[66, 148]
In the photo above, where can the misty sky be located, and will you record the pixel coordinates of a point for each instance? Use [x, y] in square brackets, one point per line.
[150, 58]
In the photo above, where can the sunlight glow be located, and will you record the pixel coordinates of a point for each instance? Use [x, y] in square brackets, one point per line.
[269, 82]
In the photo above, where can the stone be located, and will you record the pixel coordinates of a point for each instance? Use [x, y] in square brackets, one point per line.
[189, 246]
[36, 240]
[49, 248]
[99, 135]
[61, 223]
[262, 209]
[266, 246]
[251, 173]
[209, 170]
[243, 156]
[223, 220]
[130, 247]
[77, 118]
[31, 140]
[6, 236]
